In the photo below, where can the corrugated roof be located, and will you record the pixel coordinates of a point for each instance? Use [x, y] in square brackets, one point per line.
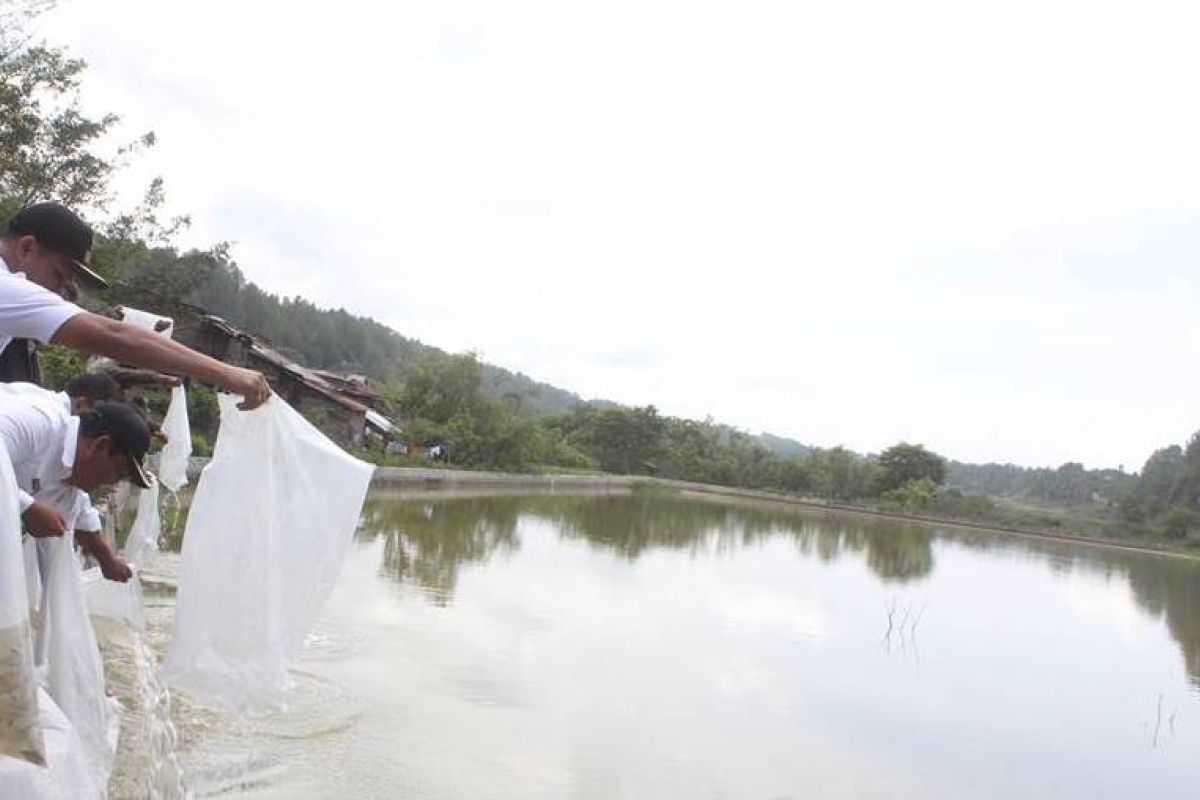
[310, 378]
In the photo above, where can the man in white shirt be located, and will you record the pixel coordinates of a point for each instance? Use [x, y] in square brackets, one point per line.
[56, 454]
[44, 249]
[82, 394]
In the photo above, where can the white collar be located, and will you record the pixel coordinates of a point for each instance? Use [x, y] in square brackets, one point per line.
[8, 269]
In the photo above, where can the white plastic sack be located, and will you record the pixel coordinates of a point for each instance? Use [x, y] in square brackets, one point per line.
[71, 659]
[173, 461]
[141, 544]
[67, 777]
[109, 600]
[270, 524]
[119, 602]
[20, 733]
[33, 576]
[144, 319]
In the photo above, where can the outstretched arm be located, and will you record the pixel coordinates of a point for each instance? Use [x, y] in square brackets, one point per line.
[93, 333]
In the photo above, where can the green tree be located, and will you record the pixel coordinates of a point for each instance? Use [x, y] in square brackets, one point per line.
[443, 389]
[1185, 488]
[47, 144]
[1179, 521]
[59, 366]
[914, 495]
[1158, 477]
[840, 474]
[622, 440]
[903, 462]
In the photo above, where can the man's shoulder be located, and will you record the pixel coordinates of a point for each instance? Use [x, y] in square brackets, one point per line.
[64, 498]
[17, 283]
[33, 399]
[31, 311]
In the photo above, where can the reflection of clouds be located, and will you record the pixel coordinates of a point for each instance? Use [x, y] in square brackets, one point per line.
[1110, 602]
[768, 613]
[742, 678]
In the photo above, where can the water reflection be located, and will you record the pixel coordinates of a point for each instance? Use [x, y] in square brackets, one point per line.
[426, 541]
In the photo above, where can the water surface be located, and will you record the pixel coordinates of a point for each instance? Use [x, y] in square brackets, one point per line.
[668, 646]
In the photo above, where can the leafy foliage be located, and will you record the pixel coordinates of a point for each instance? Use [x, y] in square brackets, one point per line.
[904, 464]
[1167, 495]
[1070, 484]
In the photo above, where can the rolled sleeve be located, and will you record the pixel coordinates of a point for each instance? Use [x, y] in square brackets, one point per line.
[89, 519]
[25, 499]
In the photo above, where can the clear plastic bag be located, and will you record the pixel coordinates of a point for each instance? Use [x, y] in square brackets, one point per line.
[269, 527]
[71, 659]
[33, 576]
[67, 777]
[20, 731]
[122, 602]
[119, 602]
[141, 544]
[173, 462]
[144, 319]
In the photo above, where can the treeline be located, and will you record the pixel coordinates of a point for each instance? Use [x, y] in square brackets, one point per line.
[1069, 484]
[1165, 499]
[444, 401]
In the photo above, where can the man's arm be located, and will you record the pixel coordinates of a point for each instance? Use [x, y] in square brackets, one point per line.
[93, 333]
[112, 566]
[42, 520]
[141, 377]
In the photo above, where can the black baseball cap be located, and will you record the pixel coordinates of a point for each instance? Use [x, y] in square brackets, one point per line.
[60, 229]
[130, 430]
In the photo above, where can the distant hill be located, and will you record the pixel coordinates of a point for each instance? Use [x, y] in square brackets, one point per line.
[335, 339]
[330, 339]
[1069, 484]
[783, 447]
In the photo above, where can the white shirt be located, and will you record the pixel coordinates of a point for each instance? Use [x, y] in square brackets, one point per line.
[30, 311]
[40, 435]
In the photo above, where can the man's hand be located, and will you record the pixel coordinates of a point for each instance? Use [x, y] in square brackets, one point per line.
[41, 520]
[251, 385]
[112, 566]
[116, 569]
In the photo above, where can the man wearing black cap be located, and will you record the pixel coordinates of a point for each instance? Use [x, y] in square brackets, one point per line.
[83, 394]
[58, 458]
[44, 249]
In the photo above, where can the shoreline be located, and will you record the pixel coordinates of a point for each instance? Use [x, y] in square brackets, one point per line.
[455, 480]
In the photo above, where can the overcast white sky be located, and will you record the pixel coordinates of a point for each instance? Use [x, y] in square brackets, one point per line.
[838, 222]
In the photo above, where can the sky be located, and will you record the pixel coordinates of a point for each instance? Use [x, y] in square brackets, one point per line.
[838, 222]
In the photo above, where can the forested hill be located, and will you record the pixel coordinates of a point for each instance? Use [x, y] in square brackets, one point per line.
[783, 447]
[1071, 484]
[335, 339]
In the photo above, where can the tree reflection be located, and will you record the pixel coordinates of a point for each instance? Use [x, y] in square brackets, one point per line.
[427, 540]
[1163, 586]
[1170, 588]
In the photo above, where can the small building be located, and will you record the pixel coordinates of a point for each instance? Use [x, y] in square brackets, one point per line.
[356, 387]
[343, 414]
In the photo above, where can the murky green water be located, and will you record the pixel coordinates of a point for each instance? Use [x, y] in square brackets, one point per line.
[652, 646]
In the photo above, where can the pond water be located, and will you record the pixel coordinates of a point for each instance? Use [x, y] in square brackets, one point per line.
[670, 646]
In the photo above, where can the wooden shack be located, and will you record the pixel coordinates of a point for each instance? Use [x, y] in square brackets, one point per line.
[323, 401]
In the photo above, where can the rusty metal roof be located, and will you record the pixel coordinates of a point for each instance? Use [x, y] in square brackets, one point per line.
[260, 349]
